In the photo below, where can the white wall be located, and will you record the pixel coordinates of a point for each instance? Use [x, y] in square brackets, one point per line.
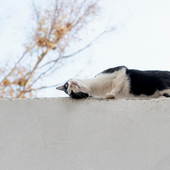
[66, 134]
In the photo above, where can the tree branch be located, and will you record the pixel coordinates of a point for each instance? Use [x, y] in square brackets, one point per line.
[82, 49]
[15, 66]
[32, 73]
[42, 74]
[88, 44]
[40, 88]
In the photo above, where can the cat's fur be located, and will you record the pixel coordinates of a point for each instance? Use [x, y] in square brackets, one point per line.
[120, 82]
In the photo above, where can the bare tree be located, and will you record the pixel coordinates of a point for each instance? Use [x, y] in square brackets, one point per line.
[55, 29]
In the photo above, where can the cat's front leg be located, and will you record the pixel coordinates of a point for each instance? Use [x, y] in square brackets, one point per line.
[117, 85]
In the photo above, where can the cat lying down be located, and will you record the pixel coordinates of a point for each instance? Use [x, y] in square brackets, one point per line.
[119, 82]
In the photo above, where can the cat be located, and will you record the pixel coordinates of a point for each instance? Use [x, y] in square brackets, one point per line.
[119, 82]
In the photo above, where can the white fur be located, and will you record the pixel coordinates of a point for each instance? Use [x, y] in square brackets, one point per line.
[103, 85]
[109, 85]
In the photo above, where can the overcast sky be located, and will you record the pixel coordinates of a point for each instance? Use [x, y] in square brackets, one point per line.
[141, 39]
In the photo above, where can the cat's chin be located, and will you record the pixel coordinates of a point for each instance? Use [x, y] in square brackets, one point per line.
[78, 95]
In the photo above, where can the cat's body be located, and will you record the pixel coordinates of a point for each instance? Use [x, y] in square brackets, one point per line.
[120, 82]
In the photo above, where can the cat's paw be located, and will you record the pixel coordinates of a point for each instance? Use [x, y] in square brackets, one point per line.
[162, 97]
[110, 96]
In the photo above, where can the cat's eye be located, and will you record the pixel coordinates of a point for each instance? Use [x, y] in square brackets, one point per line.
[66, 85]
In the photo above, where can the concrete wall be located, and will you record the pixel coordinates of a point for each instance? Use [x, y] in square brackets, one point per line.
[66, 134]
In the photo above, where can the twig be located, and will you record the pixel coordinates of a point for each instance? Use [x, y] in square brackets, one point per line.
[88, 45]
[42, 74]
[40, 88]
[32, 73]
[15, 66]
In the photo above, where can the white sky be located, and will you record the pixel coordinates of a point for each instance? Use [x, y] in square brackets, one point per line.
[141, 40]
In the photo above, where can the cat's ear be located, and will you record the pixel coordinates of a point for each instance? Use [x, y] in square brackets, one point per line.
[60, 88]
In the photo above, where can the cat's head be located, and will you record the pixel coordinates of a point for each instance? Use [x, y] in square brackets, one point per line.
[75, 92]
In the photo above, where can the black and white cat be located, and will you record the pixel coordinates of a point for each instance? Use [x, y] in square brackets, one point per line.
[120, 82]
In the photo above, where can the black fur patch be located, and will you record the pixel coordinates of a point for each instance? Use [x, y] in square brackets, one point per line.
[147, 82]
[78, 95]
[111, 70]
[166, 95]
